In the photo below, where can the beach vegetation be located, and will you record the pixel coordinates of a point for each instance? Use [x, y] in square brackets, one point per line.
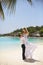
[36, 31]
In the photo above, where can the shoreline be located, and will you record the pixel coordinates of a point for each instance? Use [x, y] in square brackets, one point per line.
[18, 36]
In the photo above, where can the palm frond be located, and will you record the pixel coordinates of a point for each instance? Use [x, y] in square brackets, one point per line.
[10, 4]
[30, 1]
[1, 11]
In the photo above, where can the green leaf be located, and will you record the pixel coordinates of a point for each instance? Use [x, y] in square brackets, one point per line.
[10, 4]
[1, 12]
[30, 1]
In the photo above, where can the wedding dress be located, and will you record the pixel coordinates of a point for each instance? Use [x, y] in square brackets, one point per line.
[30, 47]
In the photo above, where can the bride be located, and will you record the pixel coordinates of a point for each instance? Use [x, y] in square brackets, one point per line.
[29, 46]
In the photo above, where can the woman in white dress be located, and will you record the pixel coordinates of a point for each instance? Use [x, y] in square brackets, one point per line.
[29, 46]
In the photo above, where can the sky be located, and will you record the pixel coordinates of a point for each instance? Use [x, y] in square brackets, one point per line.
[25, 15]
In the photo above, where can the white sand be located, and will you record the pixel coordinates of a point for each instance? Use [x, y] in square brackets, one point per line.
[13, 56]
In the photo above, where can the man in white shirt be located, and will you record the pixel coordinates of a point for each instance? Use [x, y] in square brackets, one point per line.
[22, 45]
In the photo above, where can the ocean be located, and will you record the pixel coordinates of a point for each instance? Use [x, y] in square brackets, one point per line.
[10, 42]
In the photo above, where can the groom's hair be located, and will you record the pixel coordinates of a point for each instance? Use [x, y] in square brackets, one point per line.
[19, 34]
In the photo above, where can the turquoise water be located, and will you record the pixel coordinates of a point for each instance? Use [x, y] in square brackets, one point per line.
[6, 42]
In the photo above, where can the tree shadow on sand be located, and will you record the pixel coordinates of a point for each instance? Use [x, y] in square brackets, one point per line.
[31, 60]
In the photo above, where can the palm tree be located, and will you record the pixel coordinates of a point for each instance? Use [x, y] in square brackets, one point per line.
[10, 5]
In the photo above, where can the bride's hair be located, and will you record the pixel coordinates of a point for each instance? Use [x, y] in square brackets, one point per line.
[25, 30]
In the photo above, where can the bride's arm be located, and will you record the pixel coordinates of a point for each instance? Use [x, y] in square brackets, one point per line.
[27, 33]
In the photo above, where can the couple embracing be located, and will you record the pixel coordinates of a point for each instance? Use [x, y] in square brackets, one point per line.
[27, 48]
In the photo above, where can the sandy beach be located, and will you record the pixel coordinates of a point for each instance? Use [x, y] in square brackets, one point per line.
[13, 56]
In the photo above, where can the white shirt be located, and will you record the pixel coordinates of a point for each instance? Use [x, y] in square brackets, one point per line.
[22, 40]
[26, 40]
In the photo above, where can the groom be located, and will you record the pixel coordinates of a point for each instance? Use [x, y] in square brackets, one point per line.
[22, 45]
[23, 51]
